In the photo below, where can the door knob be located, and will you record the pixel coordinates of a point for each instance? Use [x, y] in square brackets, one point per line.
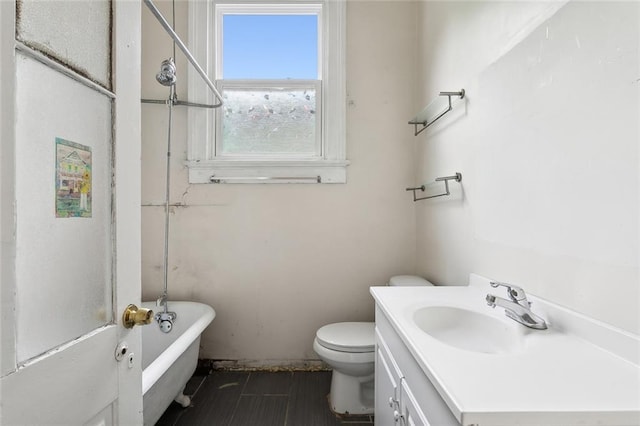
[136, 316]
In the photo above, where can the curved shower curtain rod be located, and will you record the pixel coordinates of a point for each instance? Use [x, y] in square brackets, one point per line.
[186, 52]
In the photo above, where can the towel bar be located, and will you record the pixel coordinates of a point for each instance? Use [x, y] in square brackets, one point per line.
[457, 177]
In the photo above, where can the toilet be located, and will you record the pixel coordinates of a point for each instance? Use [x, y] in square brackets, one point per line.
[349, 348]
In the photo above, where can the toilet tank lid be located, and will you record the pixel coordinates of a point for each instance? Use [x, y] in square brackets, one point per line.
[348, 336]
[408, 280]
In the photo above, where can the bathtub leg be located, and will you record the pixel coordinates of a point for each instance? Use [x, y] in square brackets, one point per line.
[183, 399]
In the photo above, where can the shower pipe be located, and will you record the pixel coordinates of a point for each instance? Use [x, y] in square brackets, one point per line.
[167, 77]
[165, 319]
[167, 196]
[174, 101]
[152, 7]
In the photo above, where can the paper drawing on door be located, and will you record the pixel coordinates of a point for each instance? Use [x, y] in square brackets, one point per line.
[73, 179]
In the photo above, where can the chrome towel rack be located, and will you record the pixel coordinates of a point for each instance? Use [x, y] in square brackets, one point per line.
[434, 111]
[242, 179]
[457, 177]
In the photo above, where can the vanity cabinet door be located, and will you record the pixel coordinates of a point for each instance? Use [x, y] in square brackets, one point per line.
[387, 387]
[411, 412]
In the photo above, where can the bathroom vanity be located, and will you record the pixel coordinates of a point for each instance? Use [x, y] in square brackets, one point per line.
[444, 357]
[398, 380]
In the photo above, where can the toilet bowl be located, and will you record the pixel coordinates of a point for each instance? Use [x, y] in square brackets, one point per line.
[349, 349]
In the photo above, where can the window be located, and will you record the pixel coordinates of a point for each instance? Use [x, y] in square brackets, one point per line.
[280, 69]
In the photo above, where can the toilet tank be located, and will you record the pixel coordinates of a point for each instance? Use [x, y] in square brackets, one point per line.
[408, 280]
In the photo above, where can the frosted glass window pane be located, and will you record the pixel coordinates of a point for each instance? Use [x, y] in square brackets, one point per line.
[63, 265]
[270, 120]
[77, 33]
[270, 47]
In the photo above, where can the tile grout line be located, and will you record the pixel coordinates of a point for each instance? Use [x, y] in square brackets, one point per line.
[235, 409]
[181, 412]
[286, 413]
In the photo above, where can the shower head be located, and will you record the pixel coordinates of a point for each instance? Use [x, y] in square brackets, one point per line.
[167, 74]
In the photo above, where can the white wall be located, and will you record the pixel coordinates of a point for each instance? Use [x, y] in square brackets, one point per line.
[547, 142]
[278, 261]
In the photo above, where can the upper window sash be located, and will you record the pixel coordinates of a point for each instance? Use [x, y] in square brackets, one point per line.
[263, 9]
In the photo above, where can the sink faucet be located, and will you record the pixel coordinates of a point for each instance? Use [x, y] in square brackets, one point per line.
[518, 308]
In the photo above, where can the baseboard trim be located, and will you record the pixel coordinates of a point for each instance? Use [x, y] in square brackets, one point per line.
[263, 365]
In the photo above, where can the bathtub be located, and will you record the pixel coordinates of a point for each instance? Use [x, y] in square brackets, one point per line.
[169, 360]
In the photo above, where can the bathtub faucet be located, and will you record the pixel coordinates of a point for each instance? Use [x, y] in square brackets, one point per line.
[165, 318]
[162, 300]
[518, 308]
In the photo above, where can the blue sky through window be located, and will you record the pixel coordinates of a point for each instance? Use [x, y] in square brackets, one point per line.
[270, 47]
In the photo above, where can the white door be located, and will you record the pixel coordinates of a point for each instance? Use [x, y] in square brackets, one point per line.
[69, 212]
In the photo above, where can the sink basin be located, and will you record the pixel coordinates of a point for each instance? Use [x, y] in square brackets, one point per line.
[468, 330]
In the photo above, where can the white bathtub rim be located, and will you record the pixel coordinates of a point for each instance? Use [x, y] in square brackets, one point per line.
[156, 369]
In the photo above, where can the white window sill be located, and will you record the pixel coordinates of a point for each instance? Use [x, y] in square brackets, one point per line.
[268, 171]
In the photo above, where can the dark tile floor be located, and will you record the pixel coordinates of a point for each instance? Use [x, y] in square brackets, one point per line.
[258, 398]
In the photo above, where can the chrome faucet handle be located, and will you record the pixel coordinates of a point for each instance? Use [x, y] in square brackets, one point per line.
[162, 300]
[515, 293]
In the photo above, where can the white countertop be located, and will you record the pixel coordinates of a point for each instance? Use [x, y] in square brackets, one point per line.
[557, 376]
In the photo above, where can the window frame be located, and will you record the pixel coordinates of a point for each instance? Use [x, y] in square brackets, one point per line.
[205, 165]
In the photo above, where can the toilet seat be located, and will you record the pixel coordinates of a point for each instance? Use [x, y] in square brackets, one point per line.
[354, 337]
